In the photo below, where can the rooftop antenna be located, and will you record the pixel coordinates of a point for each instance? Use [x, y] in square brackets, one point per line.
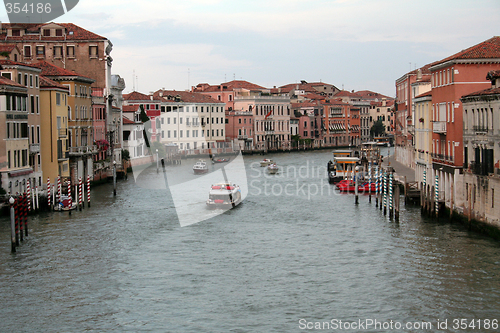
[410, 66]
[225, 80]
[188, 78]
[133, 80]
[234, 76]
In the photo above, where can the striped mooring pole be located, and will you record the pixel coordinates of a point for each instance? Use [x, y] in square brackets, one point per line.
[376, 186]
[88, 190]
[385, 192]
[390, 195]
[48, 192]
[28, 193]
[370, 183]
[437, 196]
[58, 197]
[69, 196]
[80, 193]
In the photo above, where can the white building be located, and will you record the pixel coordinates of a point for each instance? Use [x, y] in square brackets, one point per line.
[192, 121]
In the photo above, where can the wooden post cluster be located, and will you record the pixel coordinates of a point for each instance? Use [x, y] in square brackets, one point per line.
[18, 219]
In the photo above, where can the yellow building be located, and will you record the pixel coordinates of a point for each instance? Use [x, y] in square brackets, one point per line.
[54, 120]
[81, 146]
[423, 137]
[28, 76]
[14, 141]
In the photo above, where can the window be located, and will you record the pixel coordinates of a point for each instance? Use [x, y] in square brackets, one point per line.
[59, 32]
[239, 121]
[46, 32]
[27, 51]
[16, 32]
[40, 50]
[7, 75]
[31, 80]
[93, 51]
[58, 51]
[58, 99]
[70, 51]
[36, 81]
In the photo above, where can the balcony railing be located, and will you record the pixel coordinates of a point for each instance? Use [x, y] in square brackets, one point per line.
[439, 127]
[242, 137]
[34, 148]
[480, 129]
[83, 150]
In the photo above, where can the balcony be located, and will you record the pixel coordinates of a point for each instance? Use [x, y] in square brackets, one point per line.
[439, 127]
[34, 148]
[84, 150]
[480, 129]
[242, 137]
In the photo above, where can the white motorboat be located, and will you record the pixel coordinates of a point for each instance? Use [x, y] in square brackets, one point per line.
[200, 167]
[272, 168]
[266, 162]
[224, 195]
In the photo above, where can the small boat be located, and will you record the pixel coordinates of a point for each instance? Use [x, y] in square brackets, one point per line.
[65, 204]
[349, 186]
[272, 168]
[220, 160]
[266, 162]
[200, 167]
[224, 195]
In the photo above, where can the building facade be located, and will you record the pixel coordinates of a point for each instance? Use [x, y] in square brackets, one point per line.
[15, 170]
[481, 140]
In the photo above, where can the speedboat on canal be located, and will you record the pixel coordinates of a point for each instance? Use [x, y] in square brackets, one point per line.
[272, 168]
[224, 195]
[200, 167]
[266, 162]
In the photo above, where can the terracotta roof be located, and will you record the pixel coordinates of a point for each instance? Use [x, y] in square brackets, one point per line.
[45, 82]
[228, 86]
[127, 121]
[7, 47]
[184, 97]
[488, 49]
[490, 91]
[8, 82]
[315, 96]
[493, 75]
[49, 69]
[130, 108]
[345, 93]
[7, 62]
[137, 96]
[429, 93]
[367, 94]
[73, 32]
[298, 86]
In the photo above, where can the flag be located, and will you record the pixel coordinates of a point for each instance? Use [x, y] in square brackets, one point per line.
[267, 115]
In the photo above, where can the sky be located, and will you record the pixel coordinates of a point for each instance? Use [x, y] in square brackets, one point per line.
[352, 44]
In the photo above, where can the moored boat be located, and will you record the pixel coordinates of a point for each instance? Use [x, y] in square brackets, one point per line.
[65, 204]
[200, 167]
[224, 195]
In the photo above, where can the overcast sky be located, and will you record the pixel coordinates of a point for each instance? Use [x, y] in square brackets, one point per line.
[355, 44]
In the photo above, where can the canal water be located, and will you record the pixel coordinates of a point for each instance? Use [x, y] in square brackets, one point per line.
[295, 254]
